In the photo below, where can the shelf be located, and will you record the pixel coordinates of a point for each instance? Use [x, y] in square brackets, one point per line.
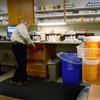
[79, 15]
[44, 11]
[51, 16]
[82, 22]
[3, 13]
[84, 8]
[51, 23]
[3, 19]
[3, 25]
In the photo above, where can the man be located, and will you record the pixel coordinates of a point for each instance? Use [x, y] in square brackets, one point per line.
[21, 39]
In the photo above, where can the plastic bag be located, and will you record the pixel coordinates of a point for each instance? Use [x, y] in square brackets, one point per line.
[83, 95]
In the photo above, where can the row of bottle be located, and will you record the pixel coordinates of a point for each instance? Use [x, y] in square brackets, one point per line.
[49, 14]
[53, 38]
[93, 3]
[71, 38]
[84, 12]
[50, 7]
[50, 20]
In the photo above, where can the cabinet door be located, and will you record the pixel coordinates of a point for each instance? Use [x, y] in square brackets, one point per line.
[7, 57]
[19, 9]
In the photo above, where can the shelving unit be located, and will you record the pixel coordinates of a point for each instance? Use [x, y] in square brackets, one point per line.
[57, 14]
[3, 18]
[83, 8]
[3, 13]
[83, 14]
[49, 14]
[55, 10]
[82, 22]
[73, 15]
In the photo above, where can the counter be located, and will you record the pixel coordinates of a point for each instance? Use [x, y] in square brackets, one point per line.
[46, 42]
[94, 93]
[37, 58]
[51, 47]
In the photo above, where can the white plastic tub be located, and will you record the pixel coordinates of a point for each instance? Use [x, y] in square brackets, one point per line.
[88, 53]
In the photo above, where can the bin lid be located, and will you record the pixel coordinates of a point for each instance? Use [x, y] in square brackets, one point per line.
[53, 61]
[69, 57]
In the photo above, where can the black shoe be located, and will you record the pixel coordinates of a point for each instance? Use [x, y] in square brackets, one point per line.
[16, 83]
[26, 81]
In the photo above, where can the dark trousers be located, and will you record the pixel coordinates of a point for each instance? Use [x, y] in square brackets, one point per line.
[20, 53]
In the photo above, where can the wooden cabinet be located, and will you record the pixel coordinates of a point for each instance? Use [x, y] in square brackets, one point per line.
[19, 9]
[36, 62]
[6, 55]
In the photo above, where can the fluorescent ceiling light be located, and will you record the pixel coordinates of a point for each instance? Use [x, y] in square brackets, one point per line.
[51, 23]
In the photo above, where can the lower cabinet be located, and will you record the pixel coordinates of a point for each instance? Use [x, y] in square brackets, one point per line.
[36, 62]
[7, 57]
[37, 70]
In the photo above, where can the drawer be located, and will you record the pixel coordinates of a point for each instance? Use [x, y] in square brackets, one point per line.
[39, 55]
[38, 67]
[31, 49]
[35, 73]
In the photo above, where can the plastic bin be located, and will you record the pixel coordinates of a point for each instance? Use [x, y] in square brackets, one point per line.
[54, 69]
[71, 68]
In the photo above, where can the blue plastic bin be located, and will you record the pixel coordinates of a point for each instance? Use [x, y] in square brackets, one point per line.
[71, 68]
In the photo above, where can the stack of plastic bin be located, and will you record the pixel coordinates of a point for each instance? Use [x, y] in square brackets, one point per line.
[89, 51]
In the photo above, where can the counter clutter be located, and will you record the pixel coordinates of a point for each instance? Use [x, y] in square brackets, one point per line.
[53, 37]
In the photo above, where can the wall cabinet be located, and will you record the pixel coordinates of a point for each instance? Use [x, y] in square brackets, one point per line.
[19, 9]
[6, 55]
[7, 58]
